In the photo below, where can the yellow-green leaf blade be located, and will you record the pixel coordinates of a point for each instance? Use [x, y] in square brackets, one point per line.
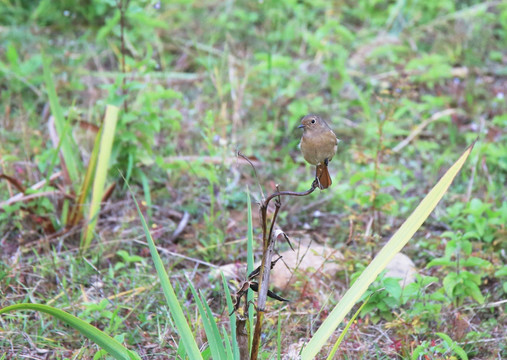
[393, 246]
[106, 144]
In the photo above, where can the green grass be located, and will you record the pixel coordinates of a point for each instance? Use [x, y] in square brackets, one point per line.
[206, 79]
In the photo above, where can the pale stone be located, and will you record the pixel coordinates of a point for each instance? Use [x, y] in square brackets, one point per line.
[401, 266]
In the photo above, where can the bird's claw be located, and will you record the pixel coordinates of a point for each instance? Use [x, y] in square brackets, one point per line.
[316, 183]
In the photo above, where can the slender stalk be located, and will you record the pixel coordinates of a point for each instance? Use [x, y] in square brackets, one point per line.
[268, 247]
[122, 6]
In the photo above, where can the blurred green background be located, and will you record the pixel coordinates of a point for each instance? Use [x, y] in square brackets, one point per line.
[406, 85]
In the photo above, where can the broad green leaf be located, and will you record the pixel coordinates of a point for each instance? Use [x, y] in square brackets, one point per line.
[440, 262]
[475, 261]
[393, 246]
[393, 287]
[502, 271]
[474, 291]
[450, 282]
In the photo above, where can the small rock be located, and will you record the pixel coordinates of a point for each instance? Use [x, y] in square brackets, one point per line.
[401, 266]
[308, 259]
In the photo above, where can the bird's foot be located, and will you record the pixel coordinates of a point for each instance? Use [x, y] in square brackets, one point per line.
[316, 183]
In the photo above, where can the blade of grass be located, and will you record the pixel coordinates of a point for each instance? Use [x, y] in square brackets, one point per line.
[68, 146]
[106, 144]
[180, 321]
[77, 211]
[147, 196]
[214, 341]
[106, 342]
[216, 333]
[52, 164]
[228, 346]
[393, 246]
[232, 317]
[181, 353]
[344, 332]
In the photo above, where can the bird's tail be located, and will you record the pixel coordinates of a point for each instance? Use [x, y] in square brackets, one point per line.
[322, 173]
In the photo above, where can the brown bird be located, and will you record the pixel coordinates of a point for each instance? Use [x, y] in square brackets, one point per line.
[318, 145]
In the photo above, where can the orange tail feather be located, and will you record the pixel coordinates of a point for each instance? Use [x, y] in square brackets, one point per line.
[322, 173]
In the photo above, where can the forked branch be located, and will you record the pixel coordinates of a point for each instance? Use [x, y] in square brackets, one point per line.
[268, 247]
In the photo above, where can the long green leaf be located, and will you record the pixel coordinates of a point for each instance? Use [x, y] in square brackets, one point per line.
[180, 321]
[77, 211]
[228, 345]
[215, 343]
[106, 342]
[393, 246]
[345, 330]
[106, 144]
[217, 338]
[67, 145]
[232, 317]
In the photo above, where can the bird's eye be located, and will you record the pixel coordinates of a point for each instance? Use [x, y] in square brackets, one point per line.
[313, 121]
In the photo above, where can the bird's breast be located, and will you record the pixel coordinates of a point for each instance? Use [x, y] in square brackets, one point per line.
[318, 147]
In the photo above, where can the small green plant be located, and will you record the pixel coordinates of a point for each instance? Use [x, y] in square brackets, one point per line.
[385, 295]
[432, 349]
[103, 310]
[419, 306]
[127, 259]
[422, 305]
[478, 220]
[461, 282]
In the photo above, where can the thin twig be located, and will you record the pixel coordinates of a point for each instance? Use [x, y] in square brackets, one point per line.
[181, 226]
[254, 170]
[436, 116]
[291, 193]
[21, 196]
[164, 250]
[278, 205]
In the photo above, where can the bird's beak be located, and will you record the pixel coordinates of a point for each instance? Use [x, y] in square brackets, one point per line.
[301, 126]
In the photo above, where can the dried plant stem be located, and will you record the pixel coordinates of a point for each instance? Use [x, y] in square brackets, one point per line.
[268, 247]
